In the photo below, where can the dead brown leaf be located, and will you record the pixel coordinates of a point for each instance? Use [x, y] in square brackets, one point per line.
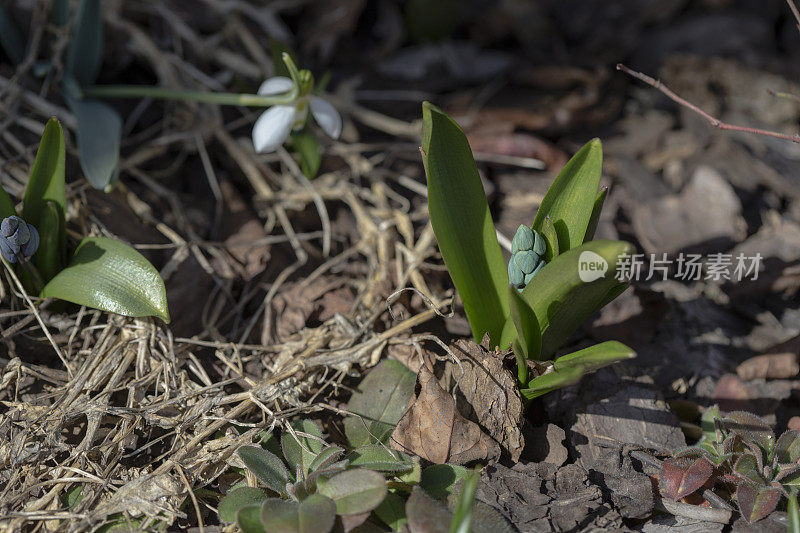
[433, 429]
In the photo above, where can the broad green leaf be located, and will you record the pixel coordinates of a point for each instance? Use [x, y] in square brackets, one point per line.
[463, 224]
[561, 300]
[465, 505]
[440, 480]
[543, 384]
[11, 38]
[249, 519]
[381, 458]
[85, 50]
[72, 497]
[238, 498]
[548, 231]
[268, 468]
[98, 131]
[309, 151]
[354, 491]
[315, 514]
[392, 511]
[570, 200]
[46, 186]
[596, 211]
[594, 357]
[787, 449]
[108, 274]
[379, 402]
[528, 334]
[301, 450]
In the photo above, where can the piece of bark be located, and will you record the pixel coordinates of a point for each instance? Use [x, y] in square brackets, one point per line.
[769, 366]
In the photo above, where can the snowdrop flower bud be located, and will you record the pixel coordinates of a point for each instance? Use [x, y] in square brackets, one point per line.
[18, 239]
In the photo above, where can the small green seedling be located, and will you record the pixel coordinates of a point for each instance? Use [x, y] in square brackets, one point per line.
[557, 276]
[311, 484]
[102, 273]
[738, 450]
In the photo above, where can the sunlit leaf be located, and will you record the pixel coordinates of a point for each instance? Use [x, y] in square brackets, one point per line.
[594, 357]
[354, 491]
[380, 401]
[681, 476]
[85, 50]
[314, 514]
[787, 449]
[596, 211]
[11, 38]
[268, 468]
[528, 334]
[548, 231]
[301, 447]
[238, 498]
[756, 502]
[463, 224]
[570, 200]
[561, 300]
[108, 274]
[545, 383]
[98, 131]
[45, 196]
[249, 519]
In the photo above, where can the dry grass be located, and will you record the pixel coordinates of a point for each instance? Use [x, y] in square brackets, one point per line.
[138, 418]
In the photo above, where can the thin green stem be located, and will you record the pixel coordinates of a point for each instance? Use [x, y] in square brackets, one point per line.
[147, 91]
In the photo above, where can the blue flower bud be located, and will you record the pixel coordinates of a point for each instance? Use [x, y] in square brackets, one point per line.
[526, 261]
[523, 239]
[515, 275]
[529, 277]
[18, 239]
[539, 246]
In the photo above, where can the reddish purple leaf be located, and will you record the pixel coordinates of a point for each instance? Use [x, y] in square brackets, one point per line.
[756, 502]
[682, 476]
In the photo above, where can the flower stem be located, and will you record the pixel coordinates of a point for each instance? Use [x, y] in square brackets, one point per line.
[147, 91]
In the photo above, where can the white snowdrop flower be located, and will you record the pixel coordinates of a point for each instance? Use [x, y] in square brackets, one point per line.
[276, 123]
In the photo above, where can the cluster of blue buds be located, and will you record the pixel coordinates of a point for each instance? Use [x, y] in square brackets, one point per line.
[18, 239]
[527, 257]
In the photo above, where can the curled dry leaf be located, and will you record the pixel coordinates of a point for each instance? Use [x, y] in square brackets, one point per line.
[433, 429]
[490, 390]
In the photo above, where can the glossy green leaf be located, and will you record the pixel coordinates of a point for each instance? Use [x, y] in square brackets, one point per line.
[543, 384]
[307, 147]
[392, 511]
[594, 357]
[85, 50]
[381, 458]
[314, 514]
[11, 38]
[354, 491]
[463, 224]
[596, 212]
[268, 468]
[561, 300]
[528, 334]
[108, 274]
[548, 231]
[570, 200]
[465, 505]
[249, 519]
[440, 480]
[236, 499]
[301, 448]
[46, 186]
[379, 401]
[98, 132]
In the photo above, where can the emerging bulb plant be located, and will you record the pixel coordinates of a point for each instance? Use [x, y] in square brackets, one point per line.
[527, 257]
[18, 240]
[276, 123]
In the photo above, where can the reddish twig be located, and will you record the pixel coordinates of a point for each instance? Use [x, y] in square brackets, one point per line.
[795, 12]
[712, 120]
